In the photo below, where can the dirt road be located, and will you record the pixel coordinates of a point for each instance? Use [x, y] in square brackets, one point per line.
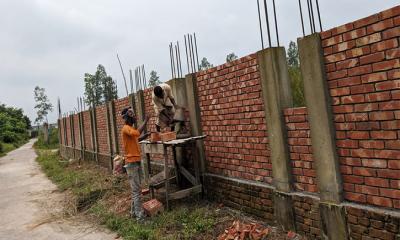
[31, 207]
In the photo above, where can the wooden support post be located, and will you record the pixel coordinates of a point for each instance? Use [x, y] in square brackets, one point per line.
[166, 175]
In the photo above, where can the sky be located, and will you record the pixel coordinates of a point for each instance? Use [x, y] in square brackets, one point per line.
[53, 43]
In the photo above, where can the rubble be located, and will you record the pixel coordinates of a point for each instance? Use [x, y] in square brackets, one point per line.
[242, 231]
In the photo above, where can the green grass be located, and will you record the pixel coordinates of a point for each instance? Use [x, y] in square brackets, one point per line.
[8, 147]
[93, 187]
[53, 140]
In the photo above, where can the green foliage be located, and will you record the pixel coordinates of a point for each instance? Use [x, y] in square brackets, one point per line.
[295, 75]
[205, 64]
[13, 125]
[43, 105]
[99, 88]
[297, 87]
[231, 57]
[293, 55]
[53, 140]
[154, 79]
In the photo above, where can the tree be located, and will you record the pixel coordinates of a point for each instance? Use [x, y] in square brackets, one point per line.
[13, 125]
[231, 57]
[205, 64]
[43, 105]
[154, 79]
[99, 88]
[293, 55]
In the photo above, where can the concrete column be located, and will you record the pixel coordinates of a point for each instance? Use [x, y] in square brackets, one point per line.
[109, 123]
[276, 91]
[82, 128]
[114, 128]
[93, 124]
[80, 136]
[140, 107]
[194, 115]
[72, 130]
[132, 103]
[322, 136]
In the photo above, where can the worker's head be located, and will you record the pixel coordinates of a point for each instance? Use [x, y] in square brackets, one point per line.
[158, 92]
[129, 116]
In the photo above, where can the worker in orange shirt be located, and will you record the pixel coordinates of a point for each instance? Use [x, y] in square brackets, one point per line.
[130, 139]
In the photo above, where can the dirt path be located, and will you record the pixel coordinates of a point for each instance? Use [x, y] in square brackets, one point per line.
[31, 208]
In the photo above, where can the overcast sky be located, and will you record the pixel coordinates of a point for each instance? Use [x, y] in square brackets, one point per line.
[52, 43]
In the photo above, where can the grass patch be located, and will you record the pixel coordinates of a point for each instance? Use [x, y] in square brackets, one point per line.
[53, 140]
[96, 192]
[8, 147]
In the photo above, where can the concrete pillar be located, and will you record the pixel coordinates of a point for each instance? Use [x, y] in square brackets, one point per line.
[194, 115]
[132, 103]
[114, 128]
[276, 91]
[322, 137]
[109, 119]
[82, 126]
[140, 107]
[93, 124]
[72, 130]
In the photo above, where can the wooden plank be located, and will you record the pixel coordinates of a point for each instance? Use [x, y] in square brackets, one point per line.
[166, 174]
[185, 193]
[188, 175]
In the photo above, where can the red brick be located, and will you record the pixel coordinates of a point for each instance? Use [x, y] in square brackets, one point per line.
[388, 173]
[376, 182]
[340, 91]
[391, 33]
[153, 207]
[364, 126]
[332, 41]
[387, 154]
[374, 77]
[383, 135]
[335, 57]
[337, 74]
[367, 21]
[384, 45]
[397, 21]
[356, 117]
[367, 190]
[358, 135]
[351, 81]
[391, 193]
[372, 58]
[355, 197]
[352, 99]
[388, 85]
[372, 144]
[366, 107]
[350, 63]
[373, 38]
[347, 170]
[360, 70]
[353, 179]
[394, 164]
[395, 11]
[354, 34]
[380, 26]
[380, 201]
[379, 116]
[350, 161]
[386, 65]
[356, 52]
[330, 67]
[342, 29]
[368, 172]
[392, 105]
[347, 143]
[394, 74]
[395, 144]
[344, 46]
[395, 184]
[377, 97]
[393, 53]
[362, 153]
[326, 34]
[365, 88]
[374, 163]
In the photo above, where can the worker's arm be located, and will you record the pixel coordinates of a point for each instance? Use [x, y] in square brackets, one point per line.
[171, 97]
[158, 106]
[141, 128]
[144, 136]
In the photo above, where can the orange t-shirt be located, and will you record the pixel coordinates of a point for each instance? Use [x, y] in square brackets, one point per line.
[130, 139]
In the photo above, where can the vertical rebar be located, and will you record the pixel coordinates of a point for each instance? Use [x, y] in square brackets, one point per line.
[309, 16]
[144, 77]
[171, 59]
[312, 14]
[276, 23]
[194, 58]
[319, 15]
[302, 20]
[267, 20]
[259, 20]
[177, 61]
[197, 53]
[187, 56]
[131, 80]
[190, 54]
[180, 60]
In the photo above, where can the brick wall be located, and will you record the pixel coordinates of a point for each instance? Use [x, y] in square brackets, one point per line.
[363, 69]
[87, 128]
[232, 117]
[307, 216]
[102, 137]
[303, 166]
